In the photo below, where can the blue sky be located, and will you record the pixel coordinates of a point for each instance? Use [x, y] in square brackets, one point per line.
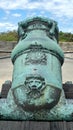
[13, 11]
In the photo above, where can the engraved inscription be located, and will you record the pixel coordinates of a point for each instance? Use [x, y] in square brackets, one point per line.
[37, 57]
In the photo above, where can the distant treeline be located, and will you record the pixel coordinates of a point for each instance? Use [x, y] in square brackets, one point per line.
[13, 36]
[9, 36]
[65, 37]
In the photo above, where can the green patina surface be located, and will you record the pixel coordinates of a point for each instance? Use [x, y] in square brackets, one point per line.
[36, 92]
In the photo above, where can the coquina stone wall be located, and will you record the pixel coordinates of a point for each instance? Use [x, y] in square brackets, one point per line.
[7, 45]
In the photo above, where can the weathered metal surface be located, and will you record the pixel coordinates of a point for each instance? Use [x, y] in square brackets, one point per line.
[36, 92]
[68, 90]
[5, 89]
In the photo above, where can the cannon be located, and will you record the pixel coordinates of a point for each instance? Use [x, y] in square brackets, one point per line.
[36, 92]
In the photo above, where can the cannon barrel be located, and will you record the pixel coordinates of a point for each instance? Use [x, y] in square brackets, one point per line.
[36, 92]
[37, 60]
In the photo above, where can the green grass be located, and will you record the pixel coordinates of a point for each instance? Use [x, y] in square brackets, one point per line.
[8, 36]
[13, 36]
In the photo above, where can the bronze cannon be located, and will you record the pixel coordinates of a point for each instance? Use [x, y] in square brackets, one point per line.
[36, 92]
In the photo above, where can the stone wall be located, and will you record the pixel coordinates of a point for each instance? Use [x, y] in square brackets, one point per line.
[4, 45]
[66, 46]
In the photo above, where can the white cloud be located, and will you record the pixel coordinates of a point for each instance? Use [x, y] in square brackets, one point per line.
[12, 4]
[66, 29]
[64, 7]
[16, 15]
[31, 14]
[58, 8]
[7, 12]
[5, 26]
